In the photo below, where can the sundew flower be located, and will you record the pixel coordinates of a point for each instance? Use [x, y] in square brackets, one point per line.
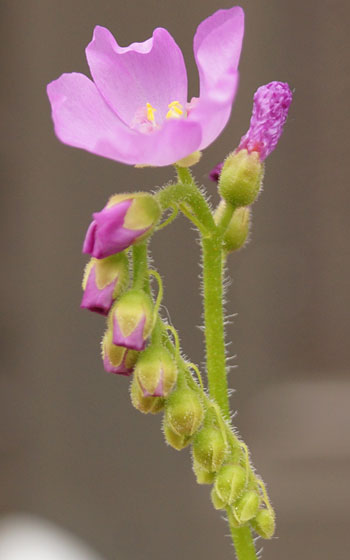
[136, 109]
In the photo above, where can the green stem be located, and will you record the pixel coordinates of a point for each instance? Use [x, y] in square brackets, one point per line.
[214, 322]
[179, 193]
[140, 266]
[244, 544]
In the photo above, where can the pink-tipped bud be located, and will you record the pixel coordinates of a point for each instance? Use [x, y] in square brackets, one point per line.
[125, 220]
[104, 280]
[156, 372]
[117, 359]
[270, 111]
[131, 319]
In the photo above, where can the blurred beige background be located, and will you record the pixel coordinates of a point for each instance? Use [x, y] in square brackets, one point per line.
[72, 447]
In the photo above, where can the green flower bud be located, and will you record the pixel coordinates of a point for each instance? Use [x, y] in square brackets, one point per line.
[156, 372]
[209, 448]
[144, 404]
[184, 411]
[202, 475]
[264, 523]
[230, 482]
[241, 178]
[175, 440]
[237, 231]
[217, 502]
[247, 506]
[131, 319]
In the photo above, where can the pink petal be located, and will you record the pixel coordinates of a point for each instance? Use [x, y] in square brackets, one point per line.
[83, 119]
[217, 48]
[129, 77]
[176, 139]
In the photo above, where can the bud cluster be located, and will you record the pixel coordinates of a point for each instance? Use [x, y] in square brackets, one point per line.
[126, 220]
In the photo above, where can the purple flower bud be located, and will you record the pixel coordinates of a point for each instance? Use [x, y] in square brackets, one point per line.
[215, 172]
[270, 111]
[132, 320]
[125, 220]
[117, 359]
[104, 280]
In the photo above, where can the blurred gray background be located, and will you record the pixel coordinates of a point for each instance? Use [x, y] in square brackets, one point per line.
[72, 447]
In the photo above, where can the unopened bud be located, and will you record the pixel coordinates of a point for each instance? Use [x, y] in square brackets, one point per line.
[209, 448]
[117, 359]
[184, 411]
[174, 440]
[156, 372]
[125, 220]
[270, 111]
[264, 523]
[132, 320]
[144, 404]
[229, 483]
[237, 231]
[104, 280]
[202, 475]
[241, 178]
[247, 506]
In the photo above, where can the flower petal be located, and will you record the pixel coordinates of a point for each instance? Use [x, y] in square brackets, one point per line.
[82, 118]
[217, 48]
[129, 77]
[176, 139]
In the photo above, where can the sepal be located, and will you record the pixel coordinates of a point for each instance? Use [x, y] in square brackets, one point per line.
[131, 319]
[103, 281]
[156, 372]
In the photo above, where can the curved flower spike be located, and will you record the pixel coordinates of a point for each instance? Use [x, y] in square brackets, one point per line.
[136, 111]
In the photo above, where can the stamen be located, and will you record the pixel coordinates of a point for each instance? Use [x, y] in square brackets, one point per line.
[150, 112]
[175, 110]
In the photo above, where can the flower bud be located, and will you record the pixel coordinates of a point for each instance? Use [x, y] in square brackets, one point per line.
[184, 411]
[124, 221]
[131, 319]
[217, 502]
[237, 231]
[209, 448]
[144, 404]
[241, 178]
[202, 475]
[264, 523]
[103, 281]
[156, 372]
[229, 483]
[270, 110]
[247, 506]
[117, 359]
[174, 440]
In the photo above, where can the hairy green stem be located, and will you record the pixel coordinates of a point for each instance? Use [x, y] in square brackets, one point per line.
[212, 254]
[214, 322]
[244, 544]
[140, 266]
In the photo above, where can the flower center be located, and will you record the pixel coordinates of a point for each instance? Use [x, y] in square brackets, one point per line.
[145, 120]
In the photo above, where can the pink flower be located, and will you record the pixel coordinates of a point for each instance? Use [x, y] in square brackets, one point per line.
[136, 110]
[270, 111]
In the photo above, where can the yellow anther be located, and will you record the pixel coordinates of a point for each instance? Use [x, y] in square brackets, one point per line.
[150, 112]
[175, 110]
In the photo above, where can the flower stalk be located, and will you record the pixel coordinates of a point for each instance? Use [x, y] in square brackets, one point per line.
[145, 118]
